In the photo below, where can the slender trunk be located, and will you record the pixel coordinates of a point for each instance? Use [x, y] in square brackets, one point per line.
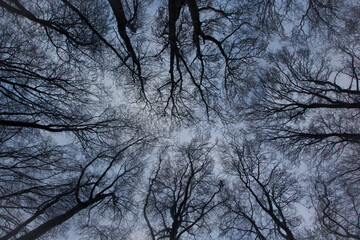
[43, 228]
[24, 224]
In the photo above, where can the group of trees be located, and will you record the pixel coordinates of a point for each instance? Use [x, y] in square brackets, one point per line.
[93, 94]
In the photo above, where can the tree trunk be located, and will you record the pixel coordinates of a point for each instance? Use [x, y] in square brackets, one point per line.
[43, 228]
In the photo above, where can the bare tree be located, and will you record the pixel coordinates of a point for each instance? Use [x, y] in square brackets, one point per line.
[182, 192]
[304, 102]
[44, 186]
[262, 193]
[336, 198]
[205, 44]
[47, 71]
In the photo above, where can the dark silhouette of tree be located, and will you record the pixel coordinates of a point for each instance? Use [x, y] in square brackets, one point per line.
[182, 192]
[47, 74]
[336, 198]
[45, 186]
[261, 194]
[206, 45]
[304, 102]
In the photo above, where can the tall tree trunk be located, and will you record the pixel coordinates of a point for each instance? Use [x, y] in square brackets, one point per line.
[43, 228]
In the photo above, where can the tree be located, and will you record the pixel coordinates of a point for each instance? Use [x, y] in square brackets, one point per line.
[46, 75]
[308, 95]
[336, 199]
[304, 89]
[43, 187]
[261, 194]
[205, 45]
[182, 192]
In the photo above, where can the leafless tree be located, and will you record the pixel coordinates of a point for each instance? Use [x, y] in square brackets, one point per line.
[206, 46]
[49, 80]
[182, 192]
[262, 193]
[304, 102]
[43, 186]
[336, 198]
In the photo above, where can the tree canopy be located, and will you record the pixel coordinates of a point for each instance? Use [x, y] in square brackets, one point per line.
[179, 119]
